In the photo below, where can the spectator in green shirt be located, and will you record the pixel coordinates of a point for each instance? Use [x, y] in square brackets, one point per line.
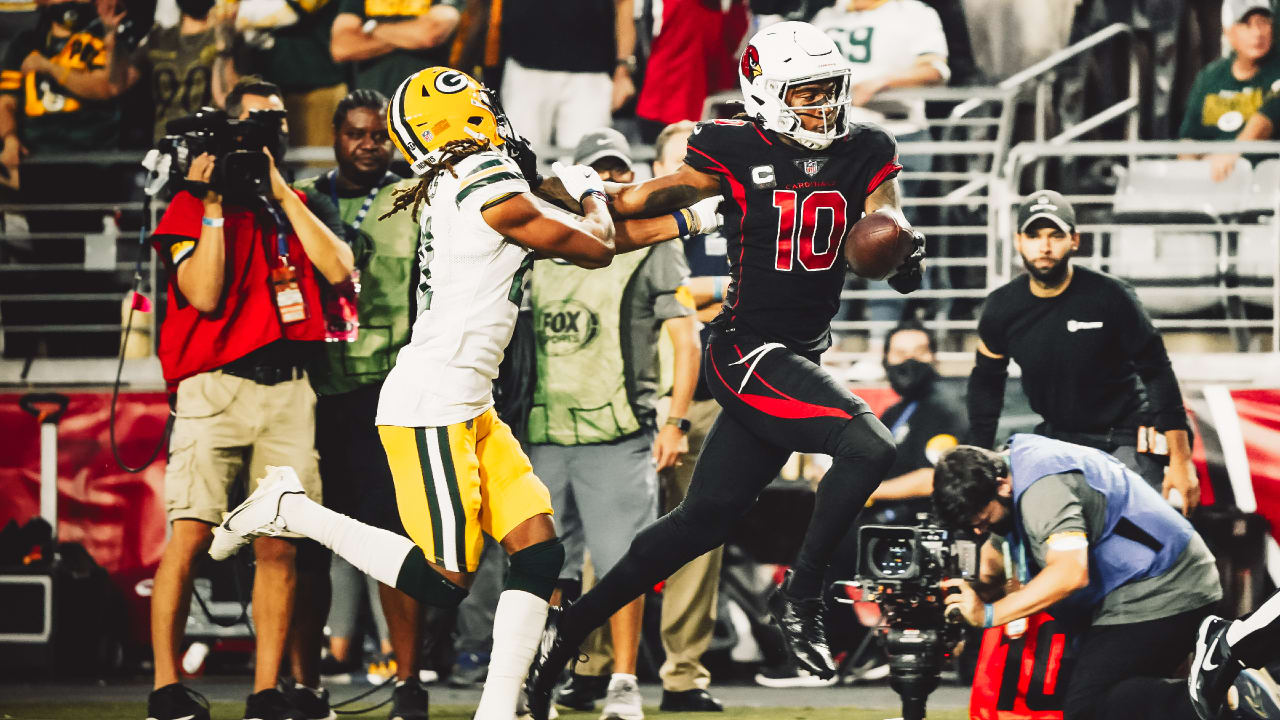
[1230, 91]
[298, 60]
[389, 40]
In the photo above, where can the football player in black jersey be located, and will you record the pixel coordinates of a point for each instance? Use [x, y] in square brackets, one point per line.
[794, 174]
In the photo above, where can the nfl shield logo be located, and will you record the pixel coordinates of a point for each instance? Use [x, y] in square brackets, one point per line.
[811, 166]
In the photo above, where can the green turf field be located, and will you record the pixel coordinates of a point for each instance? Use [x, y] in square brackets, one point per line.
[226, 711]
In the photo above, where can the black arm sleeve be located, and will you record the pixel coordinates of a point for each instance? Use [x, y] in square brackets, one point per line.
[1151, 361]
[985, 398]
[1163, 395]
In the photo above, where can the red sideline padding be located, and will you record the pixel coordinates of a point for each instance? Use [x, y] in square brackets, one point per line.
[1019, 678]
[1259, 413]
[117, 516]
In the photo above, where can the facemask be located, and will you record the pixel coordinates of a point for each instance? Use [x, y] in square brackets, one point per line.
[198, 9]
[911, 379]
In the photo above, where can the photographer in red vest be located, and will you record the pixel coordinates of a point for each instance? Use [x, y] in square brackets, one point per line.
[243, 315]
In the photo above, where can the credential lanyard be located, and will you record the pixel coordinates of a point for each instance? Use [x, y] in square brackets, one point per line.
[364, 207]
[282, 230]
[904, 417]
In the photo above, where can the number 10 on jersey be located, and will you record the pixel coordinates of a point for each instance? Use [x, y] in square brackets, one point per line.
[802, 244]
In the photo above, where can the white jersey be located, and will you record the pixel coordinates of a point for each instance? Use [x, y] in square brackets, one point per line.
[468, 298]
[883, 41]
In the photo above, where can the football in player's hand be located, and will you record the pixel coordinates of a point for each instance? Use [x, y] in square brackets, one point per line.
[876, 245]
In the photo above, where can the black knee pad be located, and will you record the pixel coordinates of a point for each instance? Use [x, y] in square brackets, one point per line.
[421, 581]
[311, 556]
[865, 439]
[536, 568]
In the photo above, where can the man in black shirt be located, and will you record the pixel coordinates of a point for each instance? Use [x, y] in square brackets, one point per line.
[1093, 365]
[557, 91]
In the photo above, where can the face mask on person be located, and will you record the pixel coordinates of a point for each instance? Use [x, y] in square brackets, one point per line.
[911, 379]
[198, 9]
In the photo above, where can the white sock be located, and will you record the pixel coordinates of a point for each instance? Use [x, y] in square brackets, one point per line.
[622, 676]
[517, 629]
[376, 552]
[1265, 615]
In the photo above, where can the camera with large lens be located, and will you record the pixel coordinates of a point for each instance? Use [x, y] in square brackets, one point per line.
[901, 569]
[241, 171]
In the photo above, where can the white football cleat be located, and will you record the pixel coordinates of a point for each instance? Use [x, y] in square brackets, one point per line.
[258, 515]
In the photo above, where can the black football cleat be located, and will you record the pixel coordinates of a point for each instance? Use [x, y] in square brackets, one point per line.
[1213, 670]
[548, 663]
[696, 700]
[582, 692]
[803, 630]
[177, 702]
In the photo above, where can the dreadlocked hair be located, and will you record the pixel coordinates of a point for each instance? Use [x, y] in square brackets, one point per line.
[415, 195]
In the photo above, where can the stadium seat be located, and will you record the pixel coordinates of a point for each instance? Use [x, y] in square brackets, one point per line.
[1264, 189]
[1156, 192]
[1180, 191]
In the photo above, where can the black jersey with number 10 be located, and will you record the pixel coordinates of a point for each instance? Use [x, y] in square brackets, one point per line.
[786, 212]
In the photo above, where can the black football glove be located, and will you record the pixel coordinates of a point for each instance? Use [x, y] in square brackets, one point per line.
[909, 275]
[526, 159]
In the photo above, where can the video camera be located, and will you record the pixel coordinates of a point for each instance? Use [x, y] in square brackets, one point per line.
[901, 569]
[241, 170]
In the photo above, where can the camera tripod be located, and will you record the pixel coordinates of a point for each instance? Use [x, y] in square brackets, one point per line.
[915, 661]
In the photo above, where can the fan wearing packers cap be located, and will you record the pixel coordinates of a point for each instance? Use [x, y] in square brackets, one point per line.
[458, 469]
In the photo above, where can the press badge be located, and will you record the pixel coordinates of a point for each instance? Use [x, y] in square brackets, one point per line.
[288, 297]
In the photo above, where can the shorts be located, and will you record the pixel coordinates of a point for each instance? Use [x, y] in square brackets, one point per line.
[227, 425]
[456, 481]
[353, 468]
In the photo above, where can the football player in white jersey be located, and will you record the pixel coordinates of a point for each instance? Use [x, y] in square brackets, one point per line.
[458, 469]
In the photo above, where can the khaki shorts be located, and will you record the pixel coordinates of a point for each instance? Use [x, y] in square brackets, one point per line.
[228, 429]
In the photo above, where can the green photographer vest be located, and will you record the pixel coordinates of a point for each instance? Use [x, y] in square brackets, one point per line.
[578, 317]
[386, 256]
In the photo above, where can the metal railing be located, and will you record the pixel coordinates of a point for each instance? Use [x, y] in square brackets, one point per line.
[1221, 275]
[969, 191]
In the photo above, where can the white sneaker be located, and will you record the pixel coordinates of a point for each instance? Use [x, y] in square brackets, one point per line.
[258, 515]
[789, 677]
[623, 701]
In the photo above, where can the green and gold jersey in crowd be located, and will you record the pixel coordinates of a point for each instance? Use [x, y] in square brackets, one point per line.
[299, 60]
[50, 117]
[385, 252]
[1219, 105]
[181, 70]
[385, 72]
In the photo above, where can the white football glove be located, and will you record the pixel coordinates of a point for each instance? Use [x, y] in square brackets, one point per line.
[579, 180]
[705, 217]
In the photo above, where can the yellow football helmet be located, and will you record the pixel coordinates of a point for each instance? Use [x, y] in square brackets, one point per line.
[438, 105]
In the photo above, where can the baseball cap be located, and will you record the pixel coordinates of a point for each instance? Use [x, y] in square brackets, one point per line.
[1233, 11]
[602, 143]
[1047, 205]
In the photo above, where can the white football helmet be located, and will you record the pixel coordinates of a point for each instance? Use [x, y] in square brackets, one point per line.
[783, 56]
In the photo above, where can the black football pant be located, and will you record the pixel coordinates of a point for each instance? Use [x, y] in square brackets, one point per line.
[775, 402]
[1122, 672]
